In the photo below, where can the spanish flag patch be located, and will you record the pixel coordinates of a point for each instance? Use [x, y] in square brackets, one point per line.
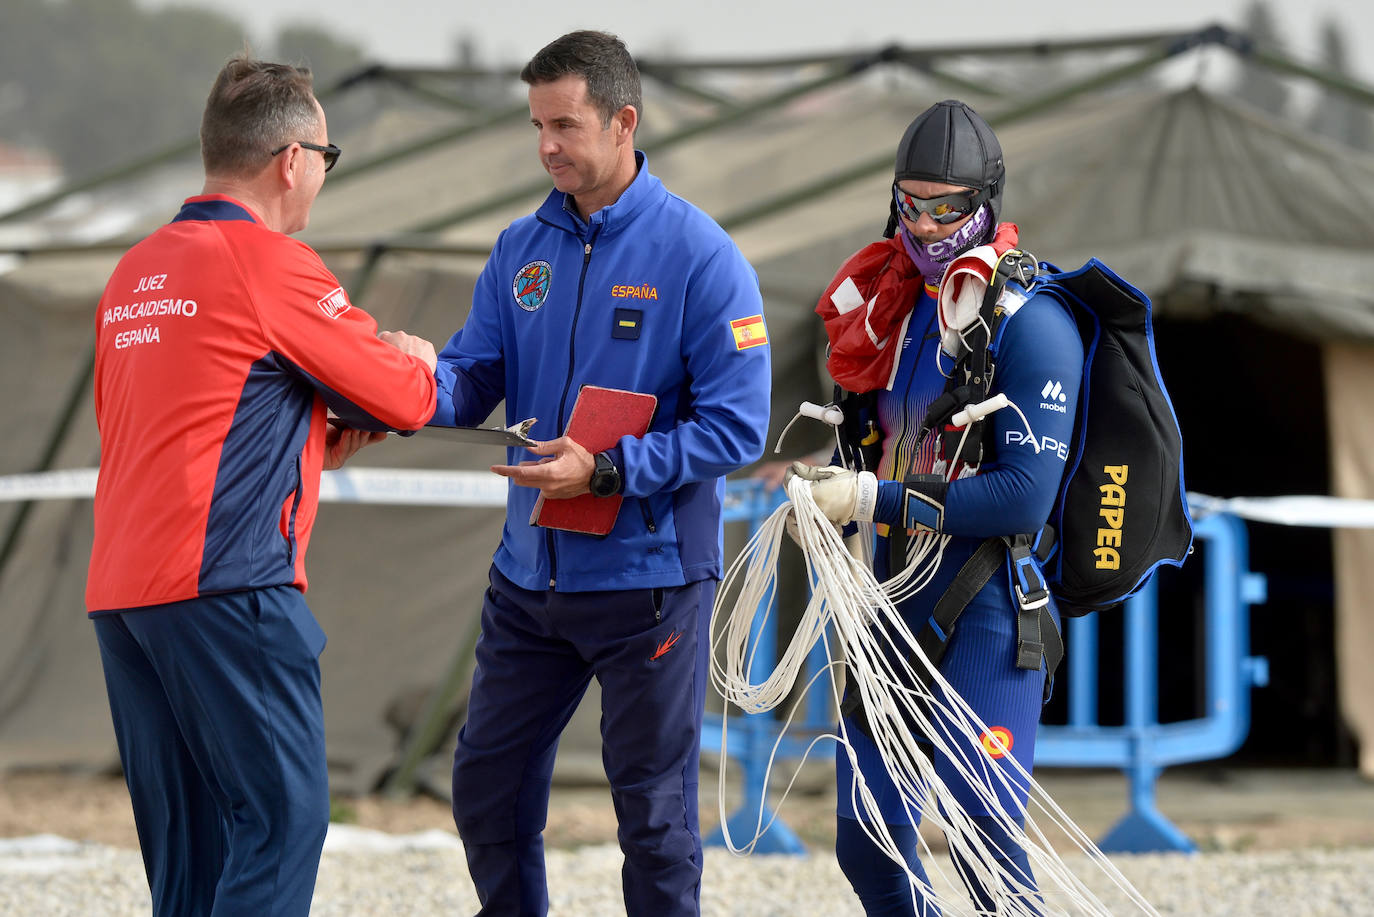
[749, 332]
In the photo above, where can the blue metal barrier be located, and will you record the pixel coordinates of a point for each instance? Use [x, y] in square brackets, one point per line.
[1142, 747]
[751, 737]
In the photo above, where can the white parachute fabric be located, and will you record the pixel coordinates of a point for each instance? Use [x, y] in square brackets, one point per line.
[875, 649]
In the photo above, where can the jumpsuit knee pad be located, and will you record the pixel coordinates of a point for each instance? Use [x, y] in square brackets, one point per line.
[480, 818]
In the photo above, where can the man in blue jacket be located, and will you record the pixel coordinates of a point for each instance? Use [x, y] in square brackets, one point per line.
[613, 282]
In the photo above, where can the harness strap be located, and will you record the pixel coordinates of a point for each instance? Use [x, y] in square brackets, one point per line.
[1053, 650]
[971, 578]
[1037, 636]
[971, 378]
[852, 708]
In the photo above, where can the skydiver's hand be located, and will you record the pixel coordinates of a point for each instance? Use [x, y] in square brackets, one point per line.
[844, 496]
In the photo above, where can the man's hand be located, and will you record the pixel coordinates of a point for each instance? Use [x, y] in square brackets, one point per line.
[413, 345]
[565, 471]
[341, 442]
[843, 495]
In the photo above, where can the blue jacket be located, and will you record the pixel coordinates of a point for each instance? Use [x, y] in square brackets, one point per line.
[648, 295]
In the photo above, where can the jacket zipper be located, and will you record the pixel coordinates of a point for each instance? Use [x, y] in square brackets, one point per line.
[648, 514]
[567, 384]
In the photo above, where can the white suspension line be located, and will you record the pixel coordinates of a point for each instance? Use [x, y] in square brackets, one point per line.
[901, 705]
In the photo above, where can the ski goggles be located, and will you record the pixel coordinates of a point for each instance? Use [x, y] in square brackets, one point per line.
[944, 209]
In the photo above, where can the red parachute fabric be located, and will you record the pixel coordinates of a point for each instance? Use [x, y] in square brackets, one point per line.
[866, 306]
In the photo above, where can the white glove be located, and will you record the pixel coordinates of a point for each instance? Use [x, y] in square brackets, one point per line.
[843, 495]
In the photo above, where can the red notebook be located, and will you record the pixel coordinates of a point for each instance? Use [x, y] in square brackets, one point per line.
[599, 419]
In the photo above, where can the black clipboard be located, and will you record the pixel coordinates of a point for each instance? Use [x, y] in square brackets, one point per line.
[514, 435]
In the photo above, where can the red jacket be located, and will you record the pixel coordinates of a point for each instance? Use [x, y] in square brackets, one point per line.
[219, 343]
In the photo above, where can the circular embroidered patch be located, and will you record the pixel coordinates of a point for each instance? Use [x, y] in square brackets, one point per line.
[997, 741]
[531, 285]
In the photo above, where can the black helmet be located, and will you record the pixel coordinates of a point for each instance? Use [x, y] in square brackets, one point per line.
[952, 144]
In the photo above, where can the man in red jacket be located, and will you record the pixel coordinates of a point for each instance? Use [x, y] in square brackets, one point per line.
[220, 342]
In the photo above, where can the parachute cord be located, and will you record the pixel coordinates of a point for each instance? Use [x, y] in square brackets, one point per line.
[876, 645]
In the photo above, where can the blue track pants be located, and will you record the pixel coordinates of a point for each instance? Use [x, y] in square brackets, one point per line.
[538, 652]
[216, 708]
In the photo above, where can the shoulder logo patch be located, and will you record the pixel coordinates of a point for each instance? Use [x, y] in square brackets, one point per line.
[749, 332]
[1054, 398]
[334, 303]
[531, 285]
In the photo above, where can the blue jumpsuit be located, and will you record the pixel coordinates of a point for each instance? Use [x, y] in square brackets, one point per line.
[1039, 365]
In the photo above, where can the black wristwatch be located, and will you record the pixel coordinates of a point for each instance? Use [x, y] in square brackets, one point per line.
[606, 481]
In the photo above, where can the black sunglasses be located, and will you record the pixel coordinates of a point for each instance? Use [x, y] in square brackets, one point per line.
[946, 208]
[331, 152]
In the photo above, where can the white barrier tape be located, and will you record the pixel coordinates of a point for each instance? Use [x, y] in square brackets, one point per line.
[1323, 512]
[413, 487]
[48, 485]
[422, 487]
[396, 486]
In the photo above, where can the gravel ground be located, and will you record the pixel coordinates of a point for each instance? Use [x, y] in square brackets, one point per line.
[1275, 844]
[424, 874]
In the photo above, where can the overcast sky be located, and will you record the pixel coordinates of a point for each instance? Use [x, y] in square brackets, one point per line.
[425, 32]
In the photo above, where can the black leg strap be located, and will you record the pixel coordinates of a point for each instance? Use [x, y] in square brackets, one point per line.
[1037, 637]
[1053, 648]
[971, 578]
[1030, 648]
[852, 706]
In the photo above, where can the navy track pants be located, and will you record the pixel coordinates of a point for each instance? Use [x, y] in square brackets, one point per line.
[217, 712]
[538, 652]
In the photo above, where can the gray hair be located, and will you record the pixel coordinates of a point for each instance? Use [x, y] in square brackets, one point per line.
[255, 107]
